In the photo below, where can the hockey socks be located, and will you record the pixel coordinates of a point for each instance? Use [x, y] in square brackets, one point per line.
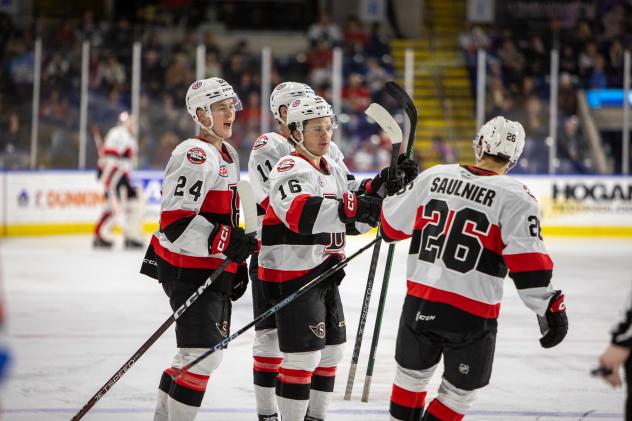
[406, 405]
[292, 390]
[322, 388]
[437, 411]
[265, 371]
[181, 398]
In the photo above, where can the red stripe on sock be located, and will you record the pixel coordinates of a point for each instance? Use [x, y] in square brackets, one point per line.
[408, 398]
[192, 381]
[287, 375]
[325, 371]
[439, 410]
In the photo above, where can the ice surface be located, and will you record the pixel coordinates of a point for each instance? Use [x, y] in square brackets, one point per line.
[75, 315]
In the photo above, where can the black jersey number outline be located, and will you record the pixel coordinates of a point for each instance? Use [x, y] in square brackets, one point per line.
[445, 236]
[264, 176]
[195, 190]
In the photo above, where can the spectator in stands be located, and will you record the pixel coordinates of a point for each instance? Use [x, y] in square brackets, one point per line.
[568, 60]
[598, 76]
[567, 95]
[324, 30]
[355, 95]
[569, 147]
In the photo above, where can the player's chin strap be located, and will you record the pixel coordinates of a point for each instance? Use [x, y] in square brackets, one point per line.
[301, 145]
[209, 129]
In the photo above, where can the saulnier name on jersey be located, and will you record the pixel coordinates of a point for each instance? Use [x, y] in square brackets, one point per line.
[199, 191]
[266, 152]
[493, 223]
[302, 232]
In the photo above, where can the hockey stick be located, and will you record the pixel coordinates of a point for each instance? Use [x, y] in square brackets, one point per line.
[404, 100]
[388, 124]
[269, 312]
[250, 215]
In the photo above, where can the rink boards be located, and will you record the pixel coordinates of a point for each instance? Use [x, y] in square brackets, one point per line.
[69, 202]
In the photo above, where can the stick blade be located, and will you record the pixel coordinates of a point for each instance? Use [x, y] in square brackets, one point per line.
[248, 205]
[386, 122]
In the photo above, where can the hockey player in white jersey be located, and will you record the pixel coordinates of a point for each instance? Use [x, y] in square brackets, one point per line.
[303, 234]
[198, 231]
[266, 151]
[470, 227]
[115, 166]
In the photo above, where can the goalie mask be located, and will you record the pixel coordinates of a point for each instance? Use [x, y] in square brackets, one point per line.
[203, 93]
[284, 94]
[500, 137]
[307, 108]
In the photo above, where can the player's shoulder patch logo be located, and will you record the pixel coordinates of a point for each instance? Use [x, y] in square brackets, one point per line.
[318, 330]
[260, 143]
[223, 171]
[196, 85]
[285, 165]
[526, 189]
[196, 155]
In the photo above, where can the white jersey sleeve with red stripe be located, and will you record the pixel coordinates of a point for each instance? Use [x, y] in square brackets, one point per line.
[469, 228]
[199, 191]
[301, 198]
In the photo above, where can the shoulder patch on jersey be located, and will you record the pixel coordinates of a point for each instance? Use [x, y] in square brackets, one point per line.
[526, 189]
[260, 143]
[285, 165]
[223, 171]
[196, 155]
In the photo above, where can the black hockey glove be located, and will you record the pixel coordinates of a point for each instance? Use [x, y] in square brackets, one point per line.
[232, 242]
[554, 324]
[386, 183]
[364, 208]
[240, 282]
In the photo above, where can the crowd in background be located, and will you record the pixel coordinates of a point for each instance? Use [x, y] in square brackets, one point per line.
[168, 68]
[518, 69]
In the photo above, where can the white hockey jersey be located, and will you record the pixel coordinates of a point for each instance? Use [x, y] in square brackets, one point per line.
[302, 233]
[199, 191]
[470, 227]
[266, 152]
[119, 151]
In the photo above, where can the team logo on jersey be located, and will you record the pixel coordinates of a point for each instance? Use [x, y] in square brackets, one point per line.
[196, 85]
[296, 103]
[223, 171]
[222, 328]
[196, 156]
[526, 189]
[318, 330]
[285, 165]
[260, 143]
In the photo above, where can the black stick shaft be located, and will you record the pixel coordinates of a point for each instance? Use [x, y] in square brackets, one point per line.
[367, 293]
[269, 312]
[148, 343]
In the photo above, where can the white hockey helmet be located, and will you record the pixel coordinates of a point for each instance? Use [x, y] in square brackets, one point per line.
[307, 108]
[205, 92]
[284, 93]
[500, 137]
